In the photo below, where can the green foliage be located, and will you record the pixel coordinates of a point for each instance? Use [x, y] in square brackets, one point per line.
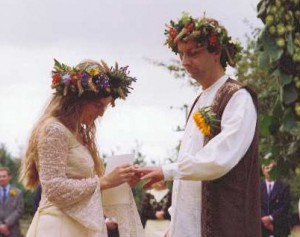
[295, 190]
[137, 190]
[279, 53]
[6, 160]
[278, 135]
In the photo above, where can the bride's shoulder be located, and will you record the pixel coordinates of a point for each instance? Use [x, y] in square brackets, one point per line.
[53, 126]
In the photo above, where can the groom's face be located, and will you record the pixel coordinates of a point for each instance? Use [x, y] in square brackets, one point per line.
[196, 59]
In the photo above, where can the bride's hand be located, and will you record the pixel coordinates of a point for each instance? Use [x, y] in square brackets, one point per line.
[134, 180]
[116, 177]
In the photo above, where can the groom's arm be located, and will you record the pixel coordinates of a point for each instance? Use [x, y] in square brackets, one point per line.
[225, 150]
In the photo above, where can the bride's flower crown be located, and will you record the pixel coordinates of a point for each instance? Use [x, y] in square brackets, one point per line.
[207, 32]
[91, 77]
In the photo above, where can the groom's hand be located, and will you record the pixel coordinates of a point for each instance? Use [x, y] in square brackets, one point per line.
[152, 174]
[134, 180]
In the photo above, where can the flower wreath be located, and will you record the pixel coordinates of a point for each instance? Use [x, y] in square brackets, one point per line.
[207, 32]
[98, 78]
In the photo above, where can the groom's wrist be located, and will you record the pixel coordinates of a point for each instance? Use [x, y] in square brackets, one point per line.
[169, 171]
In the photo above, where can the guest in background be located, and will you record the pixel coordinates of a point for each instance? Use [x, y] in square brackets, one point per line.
[275, 202]
[11, 206]
[154, 210]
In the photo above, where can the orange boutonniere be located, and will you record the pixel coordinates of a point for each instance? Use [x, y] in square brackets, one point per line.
[206, 120]
[12, 192]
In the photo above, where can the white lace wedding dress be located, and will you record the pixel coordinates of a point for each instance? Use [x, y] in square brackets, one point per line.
[71, 204]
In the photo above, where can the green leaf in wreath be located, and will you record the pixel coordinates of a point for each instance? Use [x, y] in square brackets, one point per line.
[57, 65]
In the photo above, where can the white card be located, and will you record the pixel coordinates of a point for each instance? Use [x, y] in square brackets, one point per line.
[121, 193]
[115, 161]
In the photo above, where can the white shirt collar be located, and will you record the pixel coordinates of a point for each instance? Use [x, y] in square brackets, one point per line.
[270, 182]
[7, 187]
[218, 83]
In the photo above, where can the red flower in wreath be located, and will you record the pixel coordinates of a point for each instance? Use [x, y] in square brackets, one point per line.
[190, 27]
[213, 40]
[74, 78]
[173, 33]
[55, 78]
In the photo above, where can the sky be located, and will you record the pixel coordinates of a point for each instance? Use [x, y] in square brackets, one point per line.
[34, 32]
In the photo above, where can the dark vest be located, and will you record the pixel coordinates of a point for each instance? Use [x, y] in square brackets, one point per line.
[231, 204]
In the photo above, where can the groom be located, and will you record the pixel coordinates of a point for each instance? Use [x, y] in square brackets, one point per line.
[216, 176]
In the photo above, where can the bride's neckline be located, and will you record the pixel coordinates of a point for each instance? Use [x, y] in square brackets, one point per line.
[79, 139]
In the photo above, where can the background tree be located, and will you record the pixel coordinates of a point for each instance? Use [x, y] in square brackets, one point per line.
[278, 50]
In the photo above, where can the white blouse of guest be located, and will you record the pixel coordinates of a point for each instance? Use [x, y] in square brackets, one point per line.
[218, 157]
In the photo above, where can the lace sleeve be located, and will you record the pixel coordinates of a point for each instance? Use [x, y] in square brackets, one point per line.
[53, 152]
[127, 217]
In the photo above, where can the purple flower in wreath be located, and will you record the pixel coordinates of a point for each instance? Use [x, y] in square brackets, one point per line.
[97, 80]
[84, 82]
[66, 79]
[85, 76]
[103, 81]
[84, 79]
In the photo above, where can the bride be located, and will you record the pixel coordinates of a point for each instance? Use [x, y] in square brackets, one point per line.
[62, 155]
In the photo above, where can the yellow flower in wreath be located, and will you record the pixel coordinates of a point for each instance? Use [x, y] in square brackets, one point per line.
[12, 192]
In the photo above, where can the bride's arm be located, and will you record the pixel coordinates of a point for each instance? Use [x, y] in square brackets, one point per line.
[53, 151]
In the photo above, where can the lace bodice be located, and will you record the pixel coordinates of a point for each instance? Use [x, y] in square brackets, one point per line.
[66, 171]
[67, 176]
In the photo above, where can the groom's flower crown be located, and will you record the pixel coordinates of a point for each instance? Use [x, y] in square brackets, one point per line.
[207, 32]
[95, 77]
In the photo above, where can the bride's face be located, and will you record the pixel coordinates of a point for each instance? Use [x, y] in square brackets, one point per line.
[93, 109]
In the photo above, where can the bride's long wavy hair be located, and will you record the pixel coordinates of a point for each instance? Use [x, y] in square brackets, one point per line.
[68, 110]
